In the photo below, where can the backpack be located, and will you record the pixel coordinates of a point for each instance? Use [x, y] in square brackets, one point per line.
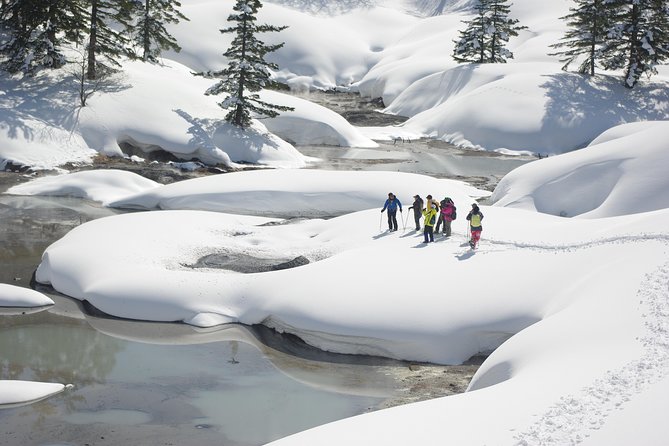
[454, 214]
[432, 219]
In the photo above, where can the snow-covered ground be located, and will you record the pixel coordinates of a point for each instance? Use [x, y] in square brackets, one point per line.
[392, 50]
[577, 303]
[574, 310]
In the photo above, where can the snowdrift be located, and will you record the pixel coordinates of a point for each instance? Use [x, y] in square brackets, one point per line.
[623, 171]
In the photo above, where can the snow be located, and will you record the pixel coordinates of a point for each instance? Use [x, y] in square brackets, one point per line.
[15, 393]
[295, 193]
[102, 186]
[14, 296]
[573, 311]
[629, 163]
[547, 327]
[387, 50]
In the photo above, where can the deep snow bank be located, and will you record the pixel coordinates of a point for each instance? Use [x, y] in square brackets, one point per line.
[623, 171]
[297, 193]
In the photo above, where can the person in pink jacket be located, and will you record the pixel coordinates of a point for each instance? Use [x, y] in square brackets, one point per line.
[446, 216]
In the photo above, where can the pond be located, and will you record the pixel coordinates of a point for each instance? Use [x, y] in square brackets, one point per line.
[141, 383]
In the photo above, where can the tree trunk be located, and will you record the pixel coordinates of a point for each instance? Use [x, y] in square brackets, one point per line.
[92, 41]
[634, 62]
[145, 31]
[240, 87]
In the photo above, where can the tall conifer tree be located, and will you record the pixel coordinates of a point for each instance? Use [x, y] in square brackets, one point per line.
[485, 38]
[33, 31]
[105, 42]
[589, 23]
[149, 32]
[638, 39]
[247, 71]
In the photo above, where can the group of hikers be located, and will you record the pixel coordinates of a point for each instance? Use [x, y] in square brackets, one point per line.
[434, 213]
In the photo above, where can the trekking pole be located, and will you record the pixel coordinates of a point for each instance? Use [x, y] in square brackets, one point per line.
[404, 224]
[380, 221]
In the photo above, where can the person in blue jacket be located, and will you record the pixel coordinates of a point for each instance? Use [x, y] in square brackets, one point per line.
[392, 203]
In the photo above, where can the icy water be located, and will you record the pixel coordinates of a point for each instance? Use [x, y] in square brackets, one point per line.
[139, 383]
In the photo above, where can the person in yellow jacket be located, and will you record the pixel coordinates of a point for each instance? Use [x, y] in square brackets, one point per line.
[474, 217]
[429, 220]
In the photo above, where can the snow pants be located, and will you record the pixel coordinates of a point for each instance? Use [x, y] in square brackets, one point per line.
[392, 220]
[416, 217]
[476, 236]
[428, 233]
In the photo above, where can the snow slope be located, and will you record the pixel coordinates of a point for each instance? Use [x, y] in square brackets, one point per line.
[622, 171]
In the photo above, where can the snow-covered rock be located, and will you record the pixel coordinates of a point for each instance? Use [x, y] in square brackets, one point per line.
[14, 296]
[15, 393]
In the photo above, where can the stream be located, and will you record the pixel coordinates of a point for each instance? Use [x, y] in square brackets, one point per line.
[142, 383]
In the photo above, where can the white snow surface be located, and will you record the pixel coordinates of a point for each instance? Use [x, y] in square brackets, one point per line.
[297, 193]
[17, 393]
[14, 296]
[102, 186]
[624, 170]
[574, 310]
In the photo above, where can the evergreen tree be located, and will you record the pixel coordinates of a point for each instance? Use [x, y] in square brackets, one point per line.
[32, 35]
[484, 40]
[471, 46]
[104, 41]
[247, 69]
[149, 32]
[589, 23]
[638, 40]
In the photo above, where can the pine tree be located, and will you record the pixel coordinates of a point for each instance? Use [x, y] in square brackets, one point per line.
[247, 69]
[471, 46]
[149, 32]
[104, 41]
[484, 40]
[33, 39]
[589, 23]
[637, 41]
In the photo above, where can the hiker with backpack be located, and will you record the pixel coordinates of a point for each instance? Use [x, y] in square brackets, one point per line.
[430, 202]
[417, 207]
[474, 217]
[429, 219]
[446, 215]
[392, 203]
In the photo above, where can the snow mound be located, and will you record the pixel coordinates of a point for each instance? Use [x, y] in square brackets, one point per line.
[302, 128]
[17, 393]
[97, 185]
[297, 193]
[622, 172]
[14, 296]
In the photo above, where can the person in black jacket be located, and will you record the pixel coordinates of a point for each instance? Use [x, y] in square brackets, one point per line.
[417, 207]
